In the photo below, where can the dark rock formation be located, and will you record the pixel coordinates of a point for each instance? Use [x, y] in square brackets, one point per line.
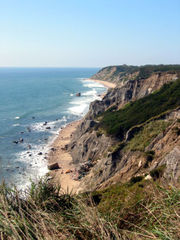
[53, 166]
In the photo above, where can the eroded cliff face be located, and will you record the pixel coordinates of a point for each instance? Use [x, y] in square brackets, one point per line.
[130, 91]
[95, 154]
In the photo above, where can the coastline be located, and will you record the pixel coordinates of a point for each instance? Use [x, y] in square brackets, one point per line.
[104, 83]
[66, 176]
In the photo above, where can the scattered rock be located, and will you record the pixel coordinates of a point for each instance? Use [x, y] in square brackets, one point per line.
[53, 166]
[78, 94]
[40, 153]
[45, 123]
[21, 140]
[48, 127]
[148, 177]
[16, 142]
[28, 128]
[53, 149]
[68, 171]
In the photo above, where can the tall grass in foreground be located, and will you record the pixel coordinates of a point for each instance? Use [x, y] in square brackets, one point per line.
[44, 213]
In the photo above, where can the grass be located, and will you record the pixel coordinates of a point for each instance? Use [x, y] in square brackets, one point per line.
[142, 210]
[135, 210]
[143, 138]
[143, 72]
[117, 123]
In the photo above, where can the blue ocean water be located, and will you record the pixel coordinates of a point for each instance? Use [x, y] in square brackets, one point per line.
[29, 97]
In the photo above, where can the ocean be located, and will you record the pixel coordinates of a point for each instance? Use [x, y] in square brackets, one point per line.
[35, 103]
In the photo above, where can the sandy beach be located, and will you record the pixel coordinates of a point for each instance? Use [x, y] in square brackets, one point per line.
[66, 175]
[105, 83]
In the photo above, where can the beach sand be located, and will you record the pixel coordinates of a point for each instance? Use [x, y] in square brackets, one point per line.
[105, 83]
[66, 175]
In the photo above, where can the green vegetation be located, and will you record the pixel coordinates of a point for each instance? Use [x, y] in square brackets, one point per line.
[156, 173]
[143, 210]
[113, 72]
[143, 138]
[135, 210]
[117, 123]
[149, 158]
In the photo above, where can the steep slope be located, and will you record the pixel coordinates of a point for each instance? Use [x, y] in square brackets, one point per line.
[123, 73]
[101, 145]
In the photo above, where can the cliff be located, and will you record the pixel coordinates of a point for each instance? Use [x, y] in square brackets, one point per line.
[131, 132]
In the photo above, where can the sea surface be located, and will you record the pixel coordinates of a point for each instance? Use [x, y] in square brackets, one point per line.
[35, 103]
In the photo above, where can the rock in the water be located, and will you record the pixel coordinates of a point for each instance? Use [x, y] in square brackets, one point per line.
[48, 127]
[40, 153]
[28, 128]
[21, 140]
[53, 166]
[16, 142]
[78, 94]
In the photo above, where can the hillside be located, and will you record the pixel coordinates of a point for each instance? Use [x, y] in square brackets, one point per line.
[122, 73]
[120, 136]
[127, 153]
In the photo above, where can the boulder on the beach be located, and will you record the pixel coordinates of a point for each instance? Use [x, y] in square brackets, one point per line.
[53, 149]
[40, 153]
[53, 166]
[68, 171]
[78, 94]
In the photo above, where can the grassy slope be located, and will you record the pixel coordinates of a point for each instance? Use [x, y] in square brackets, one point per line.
[117, 123]
[122, 70]
[135, 210]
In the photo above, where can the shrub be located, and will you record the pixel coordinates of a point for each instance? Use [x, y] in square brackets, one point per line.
[136, 179]
[157, 172]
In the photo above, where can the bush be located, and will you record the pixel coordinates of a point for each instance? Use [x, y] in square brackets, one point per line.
[157, 173]
[136, 179]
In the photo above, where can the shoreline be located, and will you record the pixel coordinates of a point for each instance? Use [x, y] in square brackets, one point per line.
[104, 83]
[66, 176]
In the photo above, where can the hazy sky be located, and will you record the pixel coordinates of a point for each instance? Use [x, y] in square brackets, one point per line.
[89, 33]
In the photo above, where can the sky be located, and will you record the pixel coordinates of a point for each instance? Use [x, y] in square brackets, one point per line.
[89, 33]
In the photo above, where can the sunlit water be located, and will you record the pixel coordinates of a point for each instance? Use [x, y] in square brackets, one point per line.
[28, 99]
